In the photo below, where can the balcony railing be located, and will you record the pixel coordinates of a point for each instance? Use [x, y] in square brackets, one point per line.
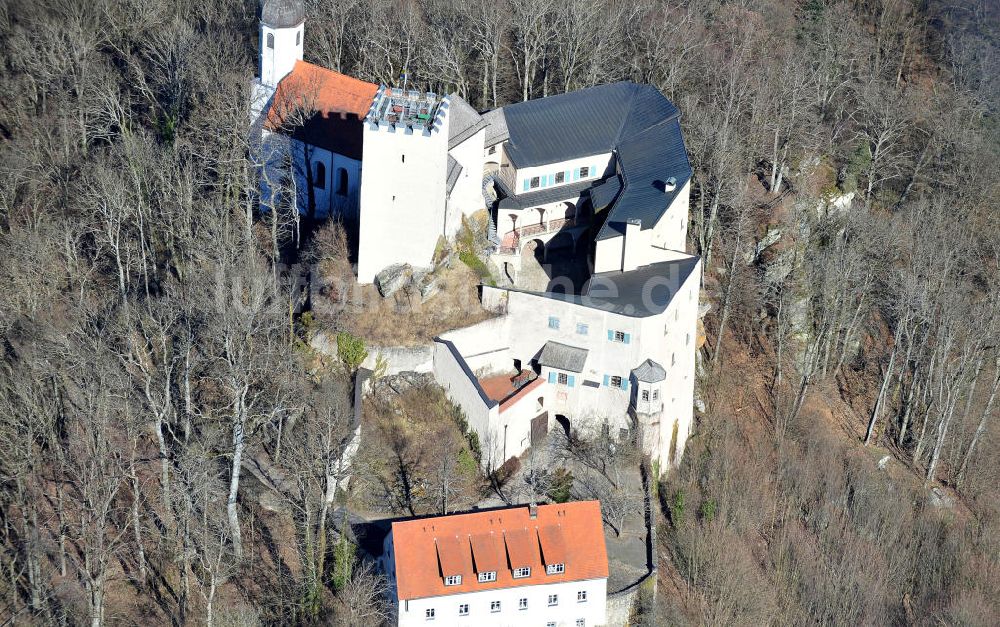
[512, 239]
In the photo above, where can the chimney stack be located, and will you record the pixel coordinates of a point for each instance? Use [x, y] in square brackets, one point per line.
[533, 510]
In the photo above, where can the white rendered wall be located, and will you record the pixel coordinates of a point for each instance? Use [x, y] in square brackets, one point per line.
[467, 195]
[608, 254]
[670, 340]
[277, 62]
[599, 165]
[461, 389]
[671, 230]
[402, 195]
[327, 201]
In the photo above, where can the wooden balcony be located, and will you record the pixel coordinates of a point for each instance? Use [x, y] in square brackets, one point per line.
[511, 241]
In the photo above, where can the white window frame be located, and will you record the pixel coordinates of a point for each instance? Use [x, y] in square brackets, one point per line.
[534, 182]
[581, 622]
[488, 576]
[523, 571]
[553, 600]
[562, 378]
[522, 603]
[644, 395]
[612, 381]
[494, 606]
[581, 596]
[619, 337]
[554, 323]
[555, 569]
[453, 580]
[463, 609]
[429, 613]
[582, 328]
[656, 394]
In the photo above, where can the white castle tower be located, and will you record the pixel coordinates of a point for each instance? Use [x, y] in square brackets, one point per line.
[403, 182]
[281, 34]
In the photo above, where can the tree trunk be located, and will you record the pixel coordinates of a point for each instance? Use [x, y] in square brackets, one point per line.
[987, 412]
[234, 486]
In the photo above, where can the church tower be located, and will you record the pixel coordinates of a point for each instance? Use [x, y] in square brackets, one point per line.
[281, 26]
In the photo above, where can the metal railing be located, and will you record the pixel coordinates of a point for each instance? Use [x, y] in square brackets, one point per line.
[511, 241]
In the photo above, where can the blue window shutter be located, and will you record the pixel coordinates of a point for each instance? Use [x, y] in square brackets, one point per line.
[576, 173]
[626, 338]
[607, 380]
[611, 335]
[624, 383]
[525, 184]
[552, 179]
[593, 170]
[569, 175]
[552, 377]
[571, 380]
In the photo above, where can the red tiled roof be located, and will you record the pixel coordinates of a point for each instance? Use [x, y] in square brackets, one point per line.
[502, 539]
[318, 89]
[322, 108]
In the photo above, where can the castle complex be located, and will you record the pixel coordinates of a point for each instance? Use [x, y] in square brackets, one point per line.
[594, 182]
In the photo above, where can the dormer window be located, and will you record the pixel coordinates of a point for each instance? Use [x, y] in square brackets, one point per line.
[453, 580]
[555, 569]
[520, 573]
[488, 576]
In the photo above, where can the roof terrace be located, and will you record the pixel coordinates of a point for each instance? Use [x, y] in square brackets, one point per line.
[408, 108]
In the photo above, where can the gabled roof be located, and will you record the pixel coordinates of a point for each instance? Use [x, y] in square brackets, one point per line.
[572, 532]
[645, 291]
[635, 122]
[649, 372]
[454, 170]
[322, 107]
[463, 121]
[563, 357]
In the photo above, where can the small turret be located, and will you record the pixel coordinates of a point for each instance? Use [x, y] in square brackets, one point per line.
[281, 35]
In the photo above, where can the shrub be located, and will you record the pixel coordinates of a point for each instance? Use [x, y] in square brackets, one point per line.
[351, 351]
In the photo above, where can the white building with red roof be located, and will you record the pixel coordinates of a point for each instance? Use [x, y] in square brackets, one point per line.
[543, 565]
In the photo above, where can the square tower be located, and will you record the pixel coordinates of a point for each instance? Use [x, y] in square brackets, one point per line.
[403, 180]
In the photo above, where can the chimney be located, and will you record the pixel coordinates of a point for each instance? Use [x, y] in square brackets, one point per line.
[632, 246]
[533, 510]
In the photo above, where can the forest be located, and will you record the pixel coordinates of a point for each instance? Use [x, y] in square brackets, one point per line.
[844, 469]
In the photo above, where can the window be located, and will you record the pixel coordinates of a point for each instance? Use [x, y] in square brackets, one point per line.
[320, 179]
[656, 395]
[535, 182]
[488, 576]
[404, 158]
[687, 339]
[560, 177]
[270, 40]
[645, 395]
[551, 623]
[616, 381]
[524, 571]
[584, 172]
[494, 606]
[493, 150]
[453, 580]
[342, 181]
[581, 596]
[563, 378]
[555, 569]
[581, 622]
[298, 37]
[463, 609]
[553, 322]
[619, 336]
[553, 599]
[429, 613]
[673, 359]
[522, 604]
[582, 329]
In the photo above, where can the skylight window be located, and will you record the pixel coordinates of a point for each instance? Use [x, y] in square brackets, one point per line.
[488, 576]
[522, 572]
[555, 569]
[453, 580]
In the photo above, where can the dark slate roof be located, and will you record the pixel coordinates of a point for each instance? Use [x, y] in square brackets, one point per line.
[547, 195]
[563, 357]
[638, 293]
[464, 121]
[496, 127]
[636, 122]
[648, 162]
[649, 372]
[282, 13]
[604, 193]
[454, 170]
